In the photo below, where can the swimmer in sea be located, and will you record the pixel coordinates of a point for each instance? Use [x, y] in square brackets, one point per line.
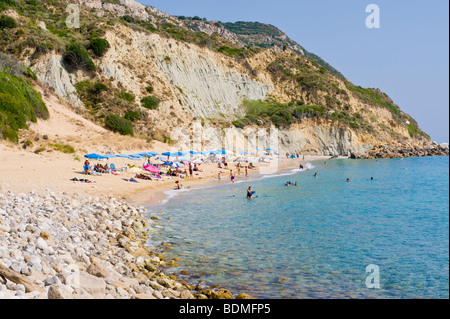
[348, 180]
[315, 175]
[250, 193]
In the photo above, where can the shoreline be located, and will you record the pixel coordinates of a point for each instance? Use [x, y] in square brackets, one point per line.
[161, 197]
[119, 219]
[129, 237]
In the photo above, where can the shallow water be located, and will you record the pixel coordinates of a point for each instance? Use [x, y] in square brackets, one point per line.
[316, 240]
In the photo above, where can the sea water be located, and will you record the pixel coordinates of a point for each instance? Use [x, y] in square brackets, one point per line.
[326, 238]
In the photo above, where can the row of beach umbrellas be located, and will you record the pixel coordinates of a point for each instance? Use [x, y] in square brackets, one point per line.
[139, 156]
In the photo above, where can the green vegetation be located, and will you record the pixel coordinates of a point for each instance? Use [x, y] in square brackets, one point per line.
[265, 36]
[127, 96]
[308, 76]
[63, 148]
[230, 51]
[374, 97]
[91, 93]
[7, 22]
[263, 113]
[99, 46]
[266, 113]
[149, 89]
[150, 102]
[132, 116]
[19, 102]
[252, 28]
[77, 57]
[119, 124]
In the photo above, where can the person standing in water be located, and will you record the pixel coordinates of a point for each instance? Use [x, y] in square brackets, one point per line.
[232, 176]
[249, 193]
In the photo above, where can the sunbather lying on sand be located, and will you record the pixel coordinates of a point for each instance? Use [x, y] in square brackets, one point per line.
[143, 176]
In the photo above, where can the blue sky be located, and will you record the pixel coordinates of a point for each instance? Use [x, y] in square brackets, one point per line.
[407, 57]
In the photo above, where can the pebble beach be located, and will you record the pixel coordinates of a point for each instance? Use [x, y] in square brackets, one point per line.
[56, 246]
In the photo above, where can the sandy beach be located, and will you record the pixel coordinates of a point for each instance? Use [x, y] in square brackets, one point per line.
[24, 171]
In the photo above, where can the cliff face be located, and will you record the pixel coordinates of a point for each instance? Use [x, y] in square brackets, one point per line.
[205, 81]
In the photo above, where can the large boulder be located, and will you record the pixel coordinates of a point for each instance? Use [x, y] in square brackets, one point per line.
[89, 283]
[59, 291]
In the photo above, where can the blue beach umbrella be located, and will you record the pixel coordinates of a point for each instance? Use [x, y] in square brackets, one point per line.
[145, 154]
[135, 157]
[170, 154]
[94, 156]
[108, 156]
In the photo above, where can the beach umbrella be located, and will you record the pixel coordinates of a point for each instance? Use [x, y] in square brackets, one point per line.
[108, 156]
[135, 157]
[151, 169]
[154, 153]
[243, 153]
[170, 154]
[148, 154]
[184, 159]
[94, 156]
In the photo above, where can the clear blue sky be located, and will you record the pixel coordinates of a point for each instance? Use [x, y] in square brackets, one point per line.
[407, 58]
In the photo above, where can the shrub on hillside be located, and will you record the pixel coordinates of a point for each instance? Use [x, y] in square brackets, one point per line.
[149, 89]
[150, 102]
[119, 124]
[127, 96]
[132, 116]
[19, 103]
[99, 46]
[6, 22]
[78, 57]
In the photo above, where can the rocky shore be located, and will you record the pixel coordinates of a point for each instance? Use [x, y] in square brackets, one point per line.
[405, 150]
[61, 246]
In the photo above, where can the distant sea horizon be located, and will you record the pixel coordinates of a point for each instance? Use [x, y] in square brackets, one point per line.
[325, 238]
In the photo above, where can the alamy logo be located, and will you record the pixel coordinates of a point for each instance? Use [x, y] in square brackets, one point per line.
[373, 20]
[373, 279]
[73, 20]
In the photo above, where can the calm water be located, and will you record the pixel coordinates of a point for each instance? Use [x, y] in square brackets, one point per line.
[316, 240]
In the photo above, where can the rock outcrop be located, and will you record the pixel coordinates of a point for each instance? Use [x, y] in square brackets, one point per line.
[401, 150]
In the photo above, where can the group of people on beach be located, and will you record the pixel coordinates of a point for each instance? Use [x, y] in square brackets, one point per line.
[232, 175]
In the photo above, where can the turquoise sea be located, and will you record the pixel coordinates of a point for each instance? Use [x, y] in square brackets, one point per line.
[316, 240]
